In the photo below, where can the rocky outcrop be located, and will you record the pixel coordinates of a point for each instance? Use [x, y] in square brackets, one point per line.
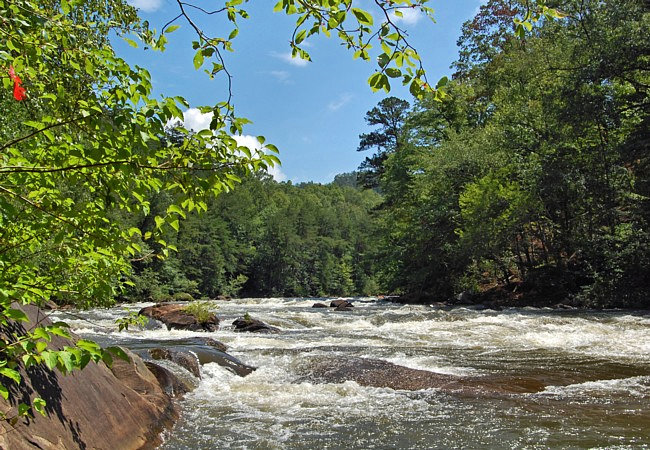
[253, 326]
[341, 304]
[186, 360]
[123, 407]
[174, 316]
[380, 373]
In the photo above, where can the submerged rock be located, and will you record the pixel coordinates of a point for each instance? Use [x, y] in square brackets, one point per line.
[380, 373]
[319, 305]
[174, 316]
[186, 360]
[200, 341]
[253, 326]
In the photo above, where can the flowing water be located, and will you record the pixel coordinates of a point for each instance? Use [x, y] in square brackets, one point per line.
[593, 369]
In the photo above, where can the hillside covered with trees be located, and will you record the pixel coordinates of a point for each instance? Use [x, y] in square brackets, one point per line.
[529, 181]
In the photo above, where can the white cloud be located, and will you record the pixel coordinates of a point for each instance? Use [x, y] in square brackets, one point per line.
[253, 144]
[195, 120]
[282, 76]
[340, 102]
[286, 57]
[146, 5]
[410, 16]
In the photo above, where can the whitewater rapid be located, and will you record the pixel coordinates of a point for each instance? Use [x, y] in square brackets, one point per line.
[595, 367]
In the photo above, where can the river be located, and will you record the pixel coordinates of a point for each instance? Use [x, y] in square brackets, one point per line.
[594, 366]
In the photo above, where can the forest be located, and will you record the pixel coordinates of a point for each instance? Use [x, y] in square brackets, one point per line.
[526, 184]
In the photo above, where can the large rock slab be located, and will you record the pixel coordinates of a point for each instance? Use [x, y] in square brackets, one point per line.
[174, 316]
[101, 408]
[380, 373]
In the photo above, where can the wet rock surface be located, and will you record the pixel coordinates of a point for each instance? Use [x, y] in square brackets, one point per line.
[380, 373]
[168, 381]
[341, 304]
[185, 359]
[248, 324]
[174, 316]
[97, 407]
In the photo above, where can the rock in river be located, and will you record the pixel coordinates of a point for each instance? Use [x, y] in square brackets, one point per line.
[340, 304]
[253, 325]
[186, 360]
[174, 316]
[380, 373]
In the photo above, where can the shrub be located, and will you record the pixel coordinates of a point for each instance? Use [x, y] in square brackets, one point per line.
[201, 310]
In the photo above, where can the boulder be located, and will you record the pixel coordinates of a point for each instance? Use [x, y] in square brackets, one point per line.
[174, 316]
[253, 326]
[123, 407]
[205, 350]
[186, 360]
[168, 381]
[226, 361]
[319, 305]
[343, 303]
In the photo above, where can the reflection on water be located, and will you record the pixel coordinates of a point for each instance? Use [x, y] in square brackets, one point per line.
[593, 369]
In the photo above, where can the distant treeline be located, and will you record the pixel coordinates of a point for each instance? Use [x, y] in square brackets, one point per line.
[266, 239]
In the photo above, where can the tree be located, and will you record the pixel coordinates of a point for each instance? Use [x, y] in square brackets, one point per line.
[389, 115]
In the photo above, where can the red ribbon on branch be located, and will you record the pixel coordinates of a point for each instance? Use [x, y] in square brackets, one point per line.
[20, 93]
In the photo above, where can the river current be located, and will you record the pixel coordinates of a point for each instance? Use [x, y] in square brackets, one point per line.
[594, 368]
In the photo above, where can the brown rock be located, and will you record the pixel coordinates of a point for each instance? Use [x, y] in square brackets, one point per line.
[253, 326]
[170, 383]
[344, 303]
[319, 305]
[97, 407]
[380, 373]
[174, 317]
[186, 360]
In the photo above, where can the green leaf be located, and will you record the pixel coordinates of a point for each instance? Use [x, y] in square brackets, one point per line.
[172, 28]
[50, 358]
[176, 209]
[198, 59]
[4, 393]
[119, 352]
[362, 16]
[39, 405]
[16, 315]
[131, 42]
[11, 373]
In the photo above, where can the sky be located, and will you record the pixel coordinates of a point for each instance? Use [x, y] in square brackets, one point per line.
[312, 111]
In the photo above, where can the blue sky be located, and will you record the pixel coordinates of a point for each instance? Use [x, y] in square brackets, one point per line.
[312, 111]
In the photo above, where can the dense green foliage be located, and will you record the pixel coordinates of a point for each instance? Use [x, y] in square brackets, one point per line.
[267, 239]
[533, 173]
